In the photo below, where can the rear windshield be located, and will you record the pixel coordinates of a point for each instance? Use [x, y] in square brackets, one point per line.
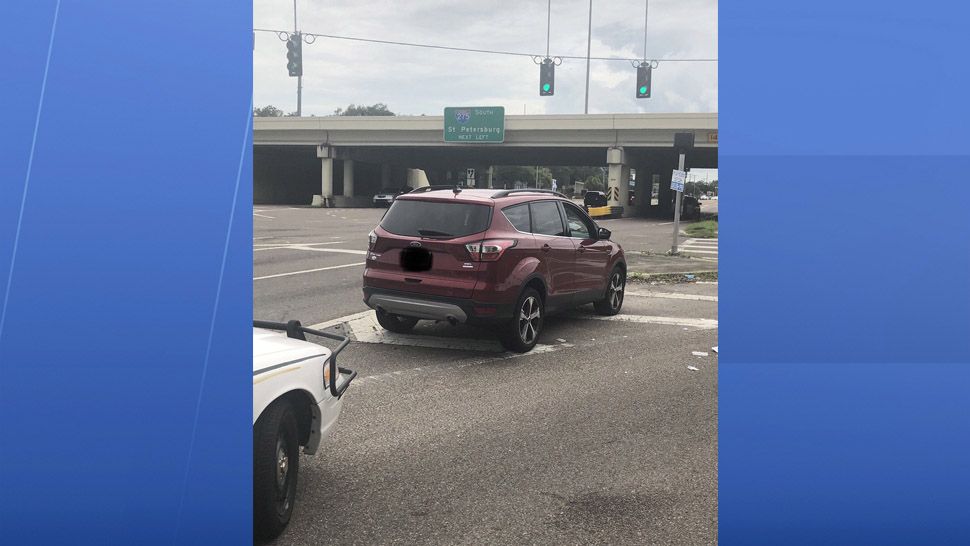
[435, 218]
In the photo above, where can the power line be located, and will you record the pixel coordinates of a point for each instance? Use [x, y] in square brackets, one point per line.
[474, 50]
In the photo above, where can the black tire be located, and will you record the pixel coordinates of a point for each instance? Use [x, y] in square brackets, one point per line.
[395, 323]
[612, 300]
[521, 333]
[276, 468]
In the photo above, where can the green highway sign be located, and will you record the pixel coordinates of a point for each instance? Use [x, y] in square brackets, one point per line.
[475, 124]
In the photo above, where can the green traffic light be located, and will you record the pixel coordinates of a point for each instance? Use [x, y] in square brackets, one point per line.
[643, 89]
[545, 87]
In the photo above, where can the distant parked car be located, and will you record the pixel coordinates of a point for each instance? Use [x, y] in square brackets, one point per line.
[594, 199]
[385, 197]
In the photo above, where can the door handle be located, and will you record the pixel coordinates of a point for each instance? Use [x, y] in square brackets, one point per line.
[581, 249]
[546, 247]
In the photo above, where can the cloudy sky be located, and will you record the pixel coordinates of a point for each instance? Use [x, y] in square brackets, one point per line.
[422, 81]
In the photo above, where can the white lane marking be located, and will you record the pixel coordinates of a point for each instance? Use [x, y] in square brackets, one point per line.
[297, 244]
[306, 271]
[697, 251]
[341, 320]
[700, 323]
[537, 350]
[364, 328]
[264, 216]
[337, 250]
[672, 296]
[289, 246]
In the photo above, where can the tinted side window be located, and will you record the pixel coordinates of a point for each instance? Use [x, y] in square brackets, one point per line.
[546, 219]
[578, 225]
[518, 216]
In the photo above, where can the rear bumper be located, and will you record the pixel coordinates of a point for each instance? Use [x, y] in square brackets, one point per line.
[427, 307]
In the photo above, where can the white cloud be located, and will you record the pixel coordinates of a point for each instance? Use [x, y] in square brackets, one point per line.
[424, 81]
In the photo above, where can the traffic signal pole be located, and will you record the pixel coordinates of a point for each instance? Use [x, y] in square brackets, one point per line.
[299, 79]
[589, 42]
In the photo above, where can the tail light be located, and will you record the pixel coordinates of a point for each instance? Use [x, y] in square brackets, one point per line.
[489, 250]
[371, 239]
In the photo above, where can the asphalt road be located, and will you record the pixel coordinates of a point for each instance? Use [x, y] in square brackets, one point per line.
[600, 435]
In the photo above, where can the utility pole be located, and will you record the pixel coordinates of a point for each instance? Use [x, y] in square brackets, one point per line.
[299, 79]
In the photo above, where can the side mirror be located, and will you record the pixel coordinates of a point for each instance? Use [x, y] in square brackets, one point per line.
[603, 233]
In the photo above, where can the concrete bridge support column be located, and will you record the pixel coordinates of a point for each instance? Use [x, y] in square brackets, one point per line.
[348, 178]
[417, 178]
[325, 153]
[491, 171]
[385, 175]
[618, 180]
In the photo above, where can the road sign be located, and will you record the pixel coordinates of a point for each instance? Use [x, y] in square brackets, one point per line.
[475, 124]
[613, 193]
[677, 180]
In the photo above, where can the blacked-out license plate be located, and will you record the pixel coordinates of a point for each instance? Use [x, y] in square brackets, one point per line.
[415, 259]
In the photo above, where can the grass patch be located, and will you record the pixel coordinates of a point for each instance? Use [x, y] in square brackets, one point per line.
[672, 278]
[703, 230]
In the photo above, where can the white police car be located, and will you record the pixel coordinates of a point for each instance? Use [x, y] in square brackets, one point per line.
[297, 390]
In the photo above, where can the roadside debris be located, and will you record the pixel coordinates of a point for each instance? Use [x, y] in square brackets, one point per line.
[693, 369]
[714, 348]
[560, 340]
[698, 353]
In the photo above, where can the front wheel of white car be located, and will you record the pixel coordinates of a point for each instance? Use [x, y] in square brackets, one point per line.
[276, 464]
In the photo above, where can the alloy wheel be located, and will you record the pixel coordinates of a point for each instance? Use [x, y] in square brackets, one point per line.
[616, 290]
[529, 316]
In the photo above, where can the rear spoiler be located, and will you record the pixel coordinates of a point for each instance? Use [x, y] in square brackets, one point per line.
[295, 330]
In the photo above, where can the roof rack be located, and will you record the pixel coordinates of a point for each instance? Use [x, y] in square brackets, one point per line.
[506, 193]
[424, 189]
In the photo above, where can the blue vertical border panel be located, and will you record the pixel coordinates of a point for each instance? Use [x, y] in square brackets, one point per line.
[126, 272]
[844, 384]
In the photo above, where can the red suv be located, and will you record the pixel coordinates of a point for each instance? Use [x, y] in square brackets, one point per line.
[497, 257]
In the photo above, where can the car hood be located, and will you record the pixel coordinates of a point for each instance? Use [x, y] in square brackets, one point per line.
[271, 347]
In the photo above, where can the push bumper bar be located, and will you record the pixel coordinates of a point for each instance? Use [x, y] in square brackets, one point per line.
[295, 330]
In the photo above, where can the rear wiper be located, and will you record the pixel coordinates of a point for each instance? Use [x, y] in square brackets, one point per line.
[434, 233]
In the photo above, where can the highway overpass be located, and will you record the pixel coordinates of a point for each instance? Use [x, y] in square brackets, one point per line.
[347, 159]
